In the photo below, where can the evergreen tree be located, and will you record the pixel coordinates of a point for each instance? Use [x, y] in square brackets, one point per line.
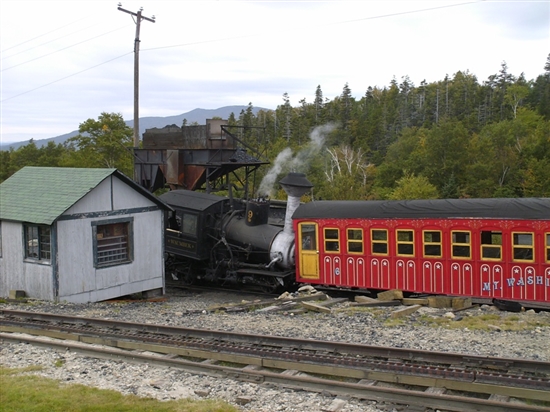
[319, 105]
[539, 96]
[287, 116]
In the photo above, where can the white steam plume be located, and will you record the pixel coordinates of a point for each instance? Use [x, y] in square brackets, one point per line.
[299, 163]
[268, 182]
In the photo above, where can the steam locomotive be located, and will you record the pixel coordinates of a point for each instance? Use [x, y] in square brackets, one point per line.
[486, 248]
[229, 241]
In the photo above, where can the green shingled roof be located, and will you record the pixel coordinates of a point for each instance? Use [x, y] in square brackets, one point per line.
[41, 194]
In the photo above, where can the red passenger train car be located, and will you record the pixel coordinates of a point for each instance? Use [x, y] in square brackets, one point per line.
[487, 248]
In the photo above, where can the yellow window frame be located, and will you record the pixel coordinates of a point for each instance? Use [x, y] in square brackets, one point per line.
[377, 242]
[525, 248]
[432, 243]
[331, 244]
[354, 242]
[547, 237]
[404, 244]
[308, 242]
[486, 247]
[467, 244]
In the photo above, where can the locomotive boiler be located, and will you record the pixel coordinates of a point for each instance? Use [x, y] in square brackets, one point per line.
[231, 242]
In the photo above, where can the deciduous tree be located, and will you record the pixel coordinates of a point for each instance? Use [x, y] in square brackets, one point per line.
[105, 142]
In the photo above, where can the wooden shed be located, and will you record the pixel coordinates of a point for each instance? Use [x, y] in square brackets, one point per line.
[79, 235]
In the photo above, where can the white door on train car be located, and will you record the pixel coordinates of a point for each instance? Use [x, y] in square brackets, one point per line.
[308, 250]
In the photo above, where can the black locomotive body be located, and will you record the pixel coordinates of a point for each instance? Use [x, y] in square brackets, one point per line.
[226, 241]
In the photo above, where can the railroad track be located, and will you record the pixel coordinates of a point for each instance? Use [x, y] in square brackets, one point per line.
[445, 381]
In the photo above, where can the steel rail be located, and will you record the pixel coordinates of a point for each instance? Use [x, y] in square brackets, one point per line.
[331, 347]
[291, 381]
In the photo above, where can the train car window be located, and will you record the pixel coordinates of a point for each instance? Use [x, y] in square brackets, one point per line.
[355, 241]
[307, 234]
[332, 241]
[189, 224]
[379, 241]
[522, 246]
[432, 243]
[547, 247]
[460, 244]
[491, 245]
[405, 242]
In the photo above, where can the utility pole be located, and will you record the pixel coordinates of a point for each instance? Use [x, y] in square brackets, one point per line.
[138, 19]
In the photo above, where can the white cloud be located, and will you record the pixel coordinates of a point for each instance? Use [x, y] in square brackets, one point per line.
[70, 61]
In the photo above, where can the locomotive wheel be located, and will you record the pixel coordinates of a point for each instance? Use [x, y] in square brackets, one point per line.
[181, 272]
[271, 285]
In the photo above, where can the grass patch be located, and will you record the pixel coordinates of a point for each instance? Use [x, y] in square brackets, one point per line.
[377, 312]
[17, 371]
[471, 320]
[21, 392]
[396, 321]
[486, 321]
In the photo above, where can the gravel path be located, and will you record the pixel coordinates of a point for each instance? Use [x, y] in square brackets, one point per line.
[342, 325]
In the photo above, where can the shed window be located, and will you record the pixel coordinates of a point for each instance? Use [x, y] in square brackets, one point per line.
[355, 241]
[432, 243]
[547, 236]
[379, 241]
[460, 244]
[37, 242]
[332, 242]
[112, 243]
[522, 246]
[405, 243]
[491, 245]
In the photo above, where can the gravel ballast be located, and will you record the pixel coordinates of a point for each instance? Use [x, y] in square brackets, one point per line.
[192, 310]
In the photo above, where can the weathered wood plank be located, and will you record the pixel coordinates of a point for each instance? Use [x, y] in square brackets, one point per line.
[377, 303]
[390, 295]
[461, 303]
[316, 308]
[364, 299]
[414, 301]
[407, 310]
[440, 302]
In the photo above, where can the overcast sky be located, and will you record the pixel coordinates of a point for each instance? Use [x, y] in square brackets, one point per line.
[63, 62]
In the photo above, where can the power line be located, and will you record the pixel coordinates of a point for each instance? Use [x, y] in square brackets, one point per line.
[48, 42]
[42, 35]
[244, 36]
[228, 38]
[64, 48]
[382, 16]
[66, 77]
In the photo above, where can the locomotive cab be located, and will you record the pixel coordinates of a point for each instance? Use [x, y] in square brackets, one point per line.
[189, 232]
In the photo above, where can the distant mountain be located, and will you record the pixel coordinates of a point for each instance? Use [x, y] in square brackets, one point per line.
[196, 115]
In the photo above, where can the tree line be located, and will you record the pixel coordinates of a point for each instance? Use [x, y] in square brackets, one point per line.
[457, 137]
